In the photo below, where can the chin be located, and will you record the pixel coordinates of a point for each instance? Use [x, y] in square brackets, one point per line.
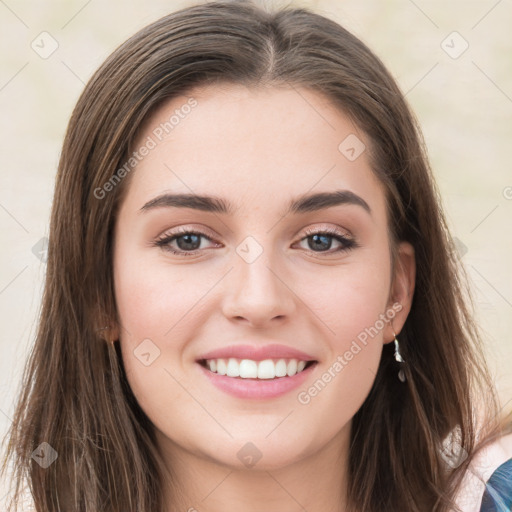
[257, 453]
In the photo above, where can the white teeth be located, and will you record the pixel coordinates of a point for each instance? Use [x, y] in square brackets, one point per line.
[233, 369]
[266, 369]
[291, 368]
[281, 368]
[221, 367]
[249, 369]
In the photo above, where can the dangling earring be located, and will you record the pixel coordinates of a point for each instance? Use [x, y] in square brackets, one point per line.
[399, 359]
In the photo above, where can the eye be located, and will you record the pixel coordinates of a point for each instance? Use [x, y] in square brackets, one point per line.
[320, 240]
[187, 240]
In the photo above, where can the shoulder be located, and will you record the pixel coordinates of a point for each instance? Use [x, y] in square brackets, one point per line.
[487, 485]
[498, 493]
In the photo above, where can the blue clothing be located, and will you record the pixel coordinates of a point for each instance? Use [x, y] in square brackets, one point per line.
[498, 490]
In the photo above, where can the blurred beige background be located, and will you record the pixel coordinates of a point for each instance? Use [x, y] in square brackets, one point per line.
[452, 59]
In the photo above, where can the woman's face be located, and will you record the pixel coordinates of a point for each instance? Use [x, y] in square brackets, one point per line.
[224, 181]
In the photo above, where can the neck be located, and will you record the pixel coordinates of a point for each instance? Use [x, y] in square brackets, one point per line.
[316, 482]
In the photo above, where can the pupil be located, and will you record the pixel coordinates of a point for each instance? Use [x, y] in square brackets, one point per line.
[326, 239]
[188, 242]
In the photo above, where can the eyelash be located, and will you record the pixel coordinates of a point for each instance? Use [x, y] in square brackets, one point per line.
[347, 243]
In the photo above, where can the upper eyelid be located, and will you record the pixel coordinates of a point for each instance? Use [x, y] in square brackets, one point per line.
[328, 230]
[309, 231]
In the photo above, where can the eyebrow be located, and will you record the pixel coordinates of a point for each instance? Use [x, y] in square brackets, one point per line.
[301, 204]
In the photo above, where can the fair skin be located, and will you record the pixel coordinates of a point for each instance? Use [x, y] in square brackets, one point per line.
[257, 149]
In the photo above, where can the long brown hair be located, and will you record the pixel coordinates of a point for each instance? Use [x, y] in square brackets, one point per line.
[75, 395]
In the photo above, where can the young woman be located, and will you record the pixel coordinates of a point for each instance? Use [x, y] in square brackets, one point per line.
[252, 301]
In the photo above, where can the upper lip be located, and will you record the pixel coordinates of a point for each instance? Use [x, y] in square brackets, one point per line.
[257, 353]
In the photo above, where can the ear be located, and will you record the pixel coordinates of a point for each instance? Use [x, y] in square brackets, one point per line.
[402, 289]
[109, 333]
[106, 328]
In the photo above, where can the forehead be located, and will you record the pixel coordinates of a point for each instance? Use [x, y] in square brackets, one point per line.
[253, 145]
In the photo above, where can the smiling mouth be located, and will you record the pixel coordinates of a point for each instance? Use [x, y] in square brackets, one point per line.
[266, 369]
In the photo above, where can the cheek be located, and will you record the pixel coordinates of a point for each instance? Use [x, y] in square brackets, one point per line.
[352, 311]
[159, 306]
[152, 303]
[355, 312]
[153, 300]
[349, 299]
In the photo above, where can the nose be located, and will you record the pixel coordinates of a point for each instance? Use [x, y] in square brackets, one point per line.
[258, 294]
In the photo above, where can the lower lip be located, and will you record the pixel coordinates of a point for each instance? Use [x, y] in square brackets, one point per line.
[257, 388]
